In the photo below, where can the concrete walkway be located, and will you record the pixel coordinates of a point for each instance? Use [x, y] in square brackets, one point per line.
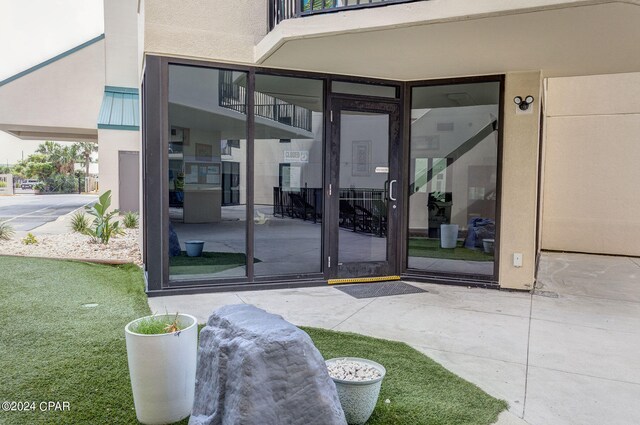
[568, 354]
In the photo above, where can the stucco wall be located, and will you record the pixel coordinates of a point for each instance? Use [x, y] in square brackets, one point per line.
[215, 29]
[141, 41]
[193, 29]
[121, 38]
[64, 94]
[519, 182]
[110, 142]
[591, 196]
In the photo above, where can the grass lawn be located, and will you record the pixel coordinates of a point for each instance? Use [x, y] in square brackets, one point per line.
[430, 248]
[54, 349]
[420, 390]
[207, 263]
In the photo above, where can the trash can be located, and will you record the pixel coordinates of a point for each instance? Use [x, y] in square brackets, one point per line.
[448, 235]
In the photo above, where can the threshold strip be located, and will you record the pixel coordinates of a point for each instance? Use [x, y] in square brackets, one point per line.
[363, 280]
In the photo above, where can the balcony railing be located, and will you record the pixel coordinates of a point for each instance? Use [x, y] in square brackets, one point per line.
[233, 96]
[279, 10]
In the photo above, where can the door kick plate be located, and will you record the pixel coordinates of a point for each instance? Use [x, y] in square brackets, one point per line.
[363, 279]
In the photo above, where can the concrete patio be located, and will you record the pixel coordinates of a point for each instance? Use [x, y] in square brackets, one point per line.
[567, 354]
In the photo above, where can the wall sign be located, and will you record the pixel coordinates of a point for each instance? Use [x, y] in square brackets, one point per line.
[296, 156]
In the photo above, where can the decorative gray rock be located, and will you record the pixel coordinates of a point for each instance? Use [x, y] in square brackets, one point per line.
[255, 368]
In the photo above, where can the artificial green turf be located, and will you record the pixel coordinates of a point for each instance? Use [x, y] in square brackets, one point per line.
[420, 391]
[430, 248]
[207, 263]
[54, 349]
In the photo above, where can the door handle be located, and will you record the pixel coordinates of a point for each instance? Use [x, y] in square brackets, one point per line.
[391, 183]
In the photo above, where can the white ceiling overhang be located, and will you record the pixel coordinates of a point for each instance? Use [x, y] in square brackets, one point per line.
[63, 134]
[451, 38]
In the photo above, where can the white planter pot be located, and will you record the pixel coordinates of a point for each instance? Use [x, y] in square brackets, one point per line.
[448, 235]
[163, 371]
[488, 245]
[358, 398]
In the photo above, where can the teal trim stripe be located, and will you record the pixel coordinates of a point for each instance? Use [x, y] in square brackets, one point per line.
[53, 59]
[121, 89]
[119, 109]
[118, 127]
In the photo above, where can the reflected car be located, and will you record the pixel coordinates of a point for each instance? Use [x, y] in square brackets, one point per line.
[29, 184]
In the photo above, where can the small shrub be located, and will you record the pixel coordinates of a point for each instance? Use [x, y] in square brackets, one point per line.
[3, 184]
[6, 231]
[103, 228]
[80, 222]
[130, 220]
[155, 325]
[30, 239]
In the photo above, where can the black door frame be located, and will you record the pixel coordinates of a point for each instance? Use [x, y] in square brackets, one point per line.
[155, 195]
[391, 107]
[461, 279]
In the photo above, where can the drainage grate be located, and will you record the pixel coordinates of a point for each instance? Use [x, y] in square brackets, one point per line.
[382, 289]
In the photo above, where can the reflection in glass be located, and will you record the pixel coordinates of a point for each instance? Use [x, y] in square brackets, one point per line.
[364, 173]
[453, 178]
[206, 181]
[363, 89]
[288, 175]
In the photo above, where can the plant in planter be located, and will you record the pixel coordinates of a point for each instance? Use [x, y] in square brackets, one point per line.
[162, 354]
[358, 383]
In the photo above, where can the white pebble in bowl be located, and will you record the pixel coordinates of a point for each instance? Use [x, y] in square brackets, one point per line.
[350, 370]
[358, 383]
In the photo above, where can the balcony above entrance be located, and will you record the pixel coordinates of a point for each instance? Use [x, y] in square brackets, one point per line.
[280, 10]
[446, 38]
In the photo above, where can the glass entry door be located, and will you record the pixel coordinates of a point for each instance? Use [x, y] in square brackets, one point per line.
[364, 186]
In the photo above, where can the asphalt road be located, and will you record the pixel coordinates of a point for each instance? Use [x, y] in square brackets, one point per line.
[26, 212]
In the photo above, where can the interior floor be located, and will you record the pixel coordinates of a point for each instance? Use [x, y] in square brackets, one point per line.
[286, 246]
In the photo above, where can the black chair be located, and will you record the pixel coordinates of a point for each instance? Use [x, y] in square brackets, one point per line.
[301, 208]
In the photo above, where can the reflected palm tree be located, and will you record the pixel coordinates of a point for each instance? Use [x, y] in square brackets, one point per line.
[309, 5]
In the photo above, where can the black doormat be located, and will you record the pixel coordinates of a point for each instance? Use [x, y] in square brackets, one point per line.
[382, 289]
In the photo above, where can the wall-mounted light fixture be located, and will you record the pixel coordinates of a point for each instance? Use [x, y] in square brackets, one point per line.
[523, 104]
